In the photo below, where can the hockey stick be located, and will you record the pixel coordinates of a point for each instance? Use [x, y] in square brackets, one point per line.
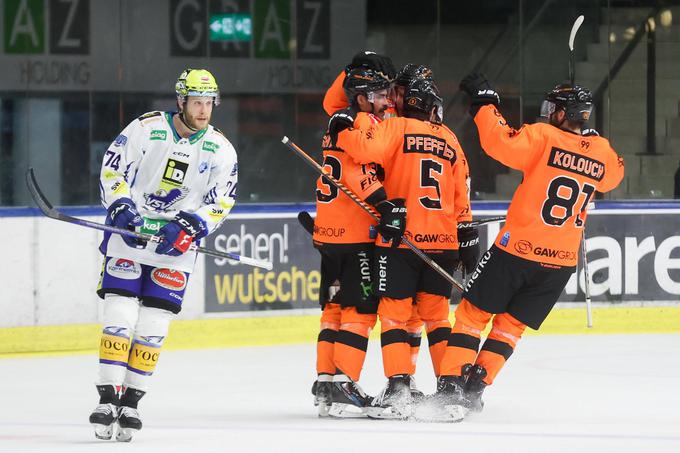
[369, 209]
[49, 211]
[306, 221]
[572, 78]
[584, 258]
[572, 36]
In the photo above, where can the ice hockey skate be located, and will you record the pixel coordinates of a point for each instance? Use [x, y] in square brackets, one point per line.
[416, 393]
[394, 402]
[321, 389]
[474, 387]
[348, 398]
[103, 419]
[129, 423]
[447, 404]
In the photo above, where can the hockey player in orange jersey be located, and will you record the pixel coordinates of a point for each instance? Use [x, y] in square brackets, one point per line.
[521, 276]
[425, 174]
[343, 234]
[335, 99]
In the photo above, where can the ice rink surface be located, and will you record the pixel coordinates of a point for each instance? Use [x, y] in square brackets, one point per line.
[576, 394]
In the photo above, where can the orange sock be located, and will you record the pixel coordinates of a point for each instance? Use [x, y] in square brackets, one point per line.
[464, 340]
[500, 345]
[414, 328]
[396, 351]
[351, 341]
[328, 329]
[434, 311]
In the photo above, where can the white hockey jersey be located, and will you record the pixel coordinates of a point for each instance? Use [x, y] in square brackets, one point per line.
[163, 174]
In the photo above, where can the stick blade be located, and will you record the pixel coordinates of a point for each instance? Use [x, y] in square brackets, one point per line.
[34, 189]
[574, 29]
[306, 221]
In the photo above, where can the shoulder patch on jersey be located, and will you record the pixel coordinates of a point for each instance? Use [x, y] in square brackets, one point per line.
[148, 115]
[158, 134]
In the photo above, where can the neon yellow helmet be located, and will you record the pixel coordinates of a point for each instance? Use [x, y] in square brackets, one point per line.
[197, 82]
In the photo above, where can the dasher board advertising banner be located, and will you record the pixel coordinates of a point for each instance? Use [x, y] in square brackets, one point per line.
[633, 255]
[292, 283]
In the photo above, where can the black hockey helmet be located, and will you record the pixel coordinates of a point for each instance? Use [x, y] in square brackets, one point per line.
[411, 72]
[420, 98]
[576, 101]
[364, 81]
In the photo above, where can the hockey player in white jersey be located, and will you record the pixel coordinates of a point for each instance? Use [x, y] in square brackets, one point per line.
[170, 174]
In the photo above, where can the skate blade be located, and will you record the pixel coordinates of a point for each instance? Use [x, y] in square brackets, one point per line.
[432, 413]
[103, 432]
[342, 410]
[125, 434]
[390, 412]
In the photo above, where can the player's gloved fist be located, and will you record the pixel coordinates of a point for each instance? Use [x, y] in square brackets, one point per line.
[123, 213]
[180, 233]
[392, 219]
[480, 91]
[340, 120]
[371, 60]
[590, 132]
[468, 253]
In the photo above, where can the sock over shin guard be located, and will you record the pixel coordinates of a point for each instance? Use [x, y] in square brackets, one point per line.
[414, 328]
[434, 312]
[394, 340]
[325, 344]
[150, 332]
[463, 343]
[352, 341]
[120, 317]
[499, 345]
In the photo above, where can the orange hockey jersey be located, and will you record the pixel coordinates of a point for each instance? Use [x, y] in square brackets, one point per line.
[425, 164]
[562, 170]
[338, 219]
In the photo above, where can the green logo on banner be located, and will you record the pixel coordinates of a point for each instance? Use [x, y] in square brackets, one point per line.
[210, 147]
[272, 29]
[231, 27]
[158, 135]
[24, 26]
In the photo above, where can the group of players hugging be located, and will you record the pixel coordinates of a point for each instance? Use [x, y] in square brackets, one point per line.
[387, 144]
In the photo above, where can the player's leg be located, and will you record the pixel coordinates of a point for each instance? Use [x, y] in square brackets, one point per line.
[529, 306]
[414, 328]
[434, 311]
[489, 290]
[496, 350]
[325, 365]
[119, 287]
[162, 295]
[328, 330]
[396, 276]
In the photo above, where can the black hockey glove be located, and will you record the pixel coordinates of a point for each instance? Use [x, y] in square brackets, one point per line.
[590, 132]
[392, 219]
[123, 213]
[341, 120]
[180, 233]
[480, 91]
[469, 248]
[371, 60]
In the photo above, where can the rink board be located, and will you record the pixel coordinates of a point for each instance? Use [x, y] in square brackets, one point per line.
[634, 256]
[278, 330]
